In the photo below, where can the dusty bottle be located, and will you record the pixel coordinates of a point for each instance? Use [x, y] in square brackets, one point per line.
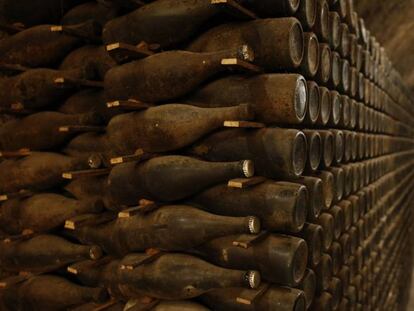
[168, 228]
[28, 13]
[38, 171]
[314, 103]
[280, 206]
[310, 62]
[275, 298]
[280, 259]
[307, 13]
[178, 305]
[313, 235]
[275, 152]
[170, 178]
[338, 216]
[335, 76]
[44, 253]
[36, 88]
[325, 64]
[178, 276]
[339, 179]
[326, 221]
[334, 34]
[314, 149]
[325, 103]
[96, 11]
[43, 212]
[88, 188]
[285, 50]
[322, 27]
[327, 148]
[91, 145]
[323, 303]
[89, 56]
[47, 292]
[328, 187]
[169, 127]
[170, 22]
[282, 96]
[323, 272]
[336, 114]
[87, 101]
[40, 47]
[40, 131]
[308, 286]
[168, 75]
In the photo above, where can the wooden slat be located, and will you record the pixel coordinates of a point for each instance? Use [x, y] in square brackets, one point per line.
[234, 8]
[242, 183]
[241, 65]
[87, 173]
[123, 52]
[129, 104]
[70, 82]
[81, 128]
[89, 220]
[247, 241]
[137, 156]
[249, 296]
[243, 124]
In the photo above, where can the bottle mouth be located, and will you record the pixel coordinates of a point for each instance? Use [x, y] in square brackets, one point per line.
[300, 302]
[345, 75]
[328, 230]
[248, 168]
[328, 189]
[299, 155]
[325, 20]
[95, 252]
[253, 279]
[311, 10]
[314, 105]
[309, 287]
[339, 146]
[300, 209]
[328, 150]
[293, 6]
[336, 109]
[325, 107]
[296, 44]
[339, 221]
[301, 102]
[317, 197]
[340, 184]
[299, 262]
[317, 244]
[312, 55]
[315, 151]
[326, 64]
[253, 224]
[335, 69]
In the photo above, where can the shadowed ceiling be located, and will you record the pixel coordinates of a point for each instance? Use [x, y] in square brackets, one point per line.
[392, 23]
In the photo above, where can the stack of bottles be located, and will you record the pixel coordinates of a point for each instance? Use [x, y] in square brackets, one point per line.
[201, 155]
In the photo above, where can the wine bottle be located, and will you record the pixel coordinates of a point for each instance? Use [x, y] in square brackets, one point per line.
[168, 127]
[280, 259]
[314, 140]
[38, 171]
[308, 286]
[40, 131]
[96, 11]
[179, 276]
[281, 206]
[170, 22]
[170, 178]
[307, 13]
[326, 221]
[323, 272]
[282, 96]
[43, 212]
[39, 46]
[89, 56]
[285, 50]
[310, 62]
[168, 228]
[168, 75]
[36, 88]
[275, 152]
[313, 235]
[89, 100]
[275, 298]
[47, 292]
[314, 103]
[44, 253]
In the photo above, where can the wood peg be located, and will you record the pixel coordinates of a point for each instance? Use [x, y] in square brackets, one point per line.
[243, 124]
[86, 173]
[235, 9]
[80, 128]
[150, 257]
[247, 241]
[129, 104]
[137, 156]
[89, 220]
[243, 183]
[75, 83]
[123, 52]
[241, 65]
[24, 152]
[249, 296]
[15, 195]
[140, 209]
